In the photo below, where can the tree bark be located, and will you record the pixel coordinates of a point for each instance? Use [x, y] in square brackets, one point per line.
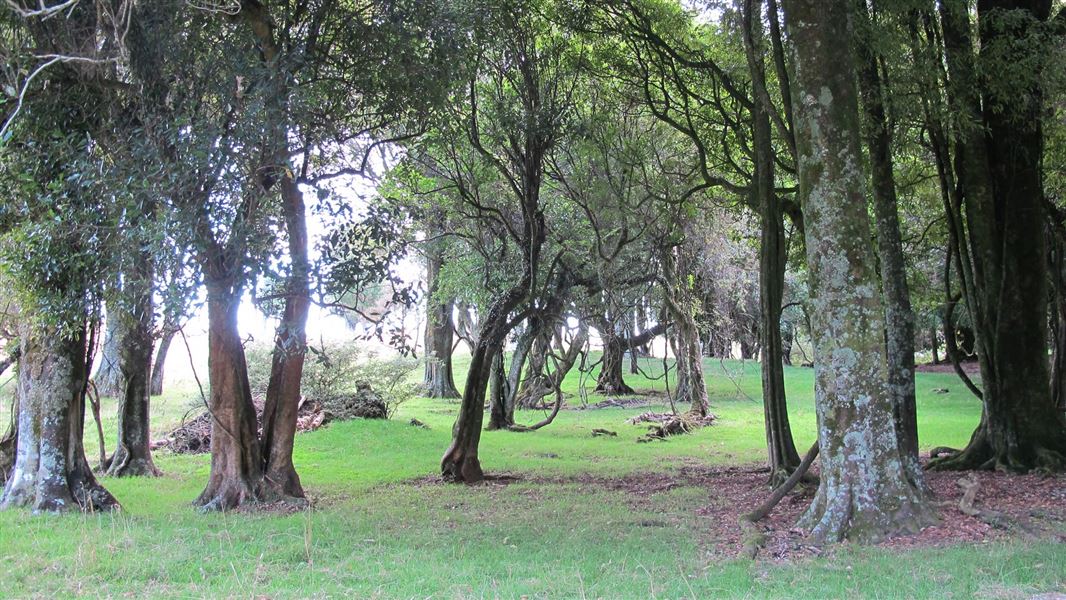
[133, 332]
[998, 160]
[781, 448]
[864, 493]
[108, 375]
[236, 458]
[160, 361]
[290, 348]
[439, 380]
[610, 380]
[51, 472]
[899, 318]
[687, 347]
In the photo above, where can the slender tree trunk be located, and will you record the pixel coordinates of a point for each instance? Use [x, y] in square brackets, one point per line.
[290, 348]
[108, 376]
[236, 458]
[133, 454]
[899, 318]
[998, 159]
[1057, 268]
[9, 441]
[439, 380]
[686, 334]
[499, 415]
[783, 457]
[160, 361]
[934, 343]
[51, 472]
[864, 493]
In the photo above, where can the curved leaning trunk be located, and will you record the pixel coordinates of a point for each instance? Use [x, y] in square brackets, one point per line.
[282, 404]
[160, 360]
[236, 460]
[51, 472]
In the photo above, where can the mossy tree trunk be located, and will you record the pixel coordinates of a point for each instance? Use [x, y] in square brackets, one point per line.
[50, 471]
[864, 493]
[679, 302]
[899, 317]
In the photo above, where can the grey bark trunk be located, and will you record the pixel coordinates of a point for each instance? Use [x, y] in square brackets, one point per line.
[439, 380]
[160, 361]
[864, 493]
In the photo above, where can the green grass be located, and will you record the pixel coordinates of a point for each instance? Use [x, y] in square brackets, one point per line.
[376, 532]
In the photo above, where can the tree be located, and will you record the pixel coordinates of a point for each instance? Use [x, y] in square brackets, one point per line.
[864, 493]
[1001, 252]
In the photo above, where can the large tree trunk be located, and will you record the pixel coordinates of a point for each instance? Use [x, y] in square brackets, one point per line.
[781, 449]
[160, 360]
[999, 165]
[287, 364]
[439, 380]
[236, 459]
[864, 493]
[133, 454]
[51, 472]
[899, 318]
[610, 380]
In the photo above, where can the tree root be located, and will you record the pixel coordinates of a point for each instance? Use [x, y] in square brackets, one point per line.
[754, 538]
[990, 517]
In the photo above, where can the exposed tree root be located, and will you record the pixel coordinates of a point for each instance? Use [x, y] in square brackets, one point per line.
[754, 538]
[990, 517]
[980, 456]
[668, 424]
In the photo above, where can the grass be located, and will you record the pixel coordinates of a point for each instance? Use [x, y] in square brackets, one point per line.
[376, 533]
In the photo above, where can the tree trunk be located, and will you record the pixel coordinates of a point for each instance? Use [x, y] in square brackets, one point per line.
[864, 493]
[236, 459]
[691, 387]
[290, 348]
[439, 380]
[1057, 268]
[1000, 174]
[934, 343]
[108, 376]
[159, 364]
[529, 395]
[899, 318]
[51, 472]
[133, 332]
[9, 442]
[781, 449]
[610, 380]
[500, 415]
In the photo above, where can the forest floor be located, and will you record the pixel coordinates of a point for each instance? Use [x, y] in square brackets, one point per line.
[569, 515]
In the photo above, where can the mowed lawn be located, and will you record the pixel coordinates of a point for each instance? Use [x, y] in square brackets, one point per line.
[380, 529]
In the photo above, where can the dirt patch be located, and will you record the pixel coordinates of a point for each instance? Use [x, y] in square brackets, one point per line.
[1037, 502]
[971, 367]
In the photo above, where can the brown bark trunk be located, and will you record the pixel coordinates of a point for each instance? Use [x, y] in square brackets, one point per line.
[781, 448]
[610, 380]
[439, 380]
[899, 318]
[287, 364]
[236, 459]
[133, 454]
[865, 493]
[51, 472]
[691, 387]
[108, 376]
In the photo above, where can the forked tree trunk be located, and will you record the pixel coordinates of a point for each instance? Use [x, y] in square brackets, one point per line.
[160, 360]
[51, 472]
[899, 318]
[783, 457]
[1000, 172]
[529, 391]
[290, 348]
[133, 330]
[439, 380]
[864, 493]
[236, 459]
